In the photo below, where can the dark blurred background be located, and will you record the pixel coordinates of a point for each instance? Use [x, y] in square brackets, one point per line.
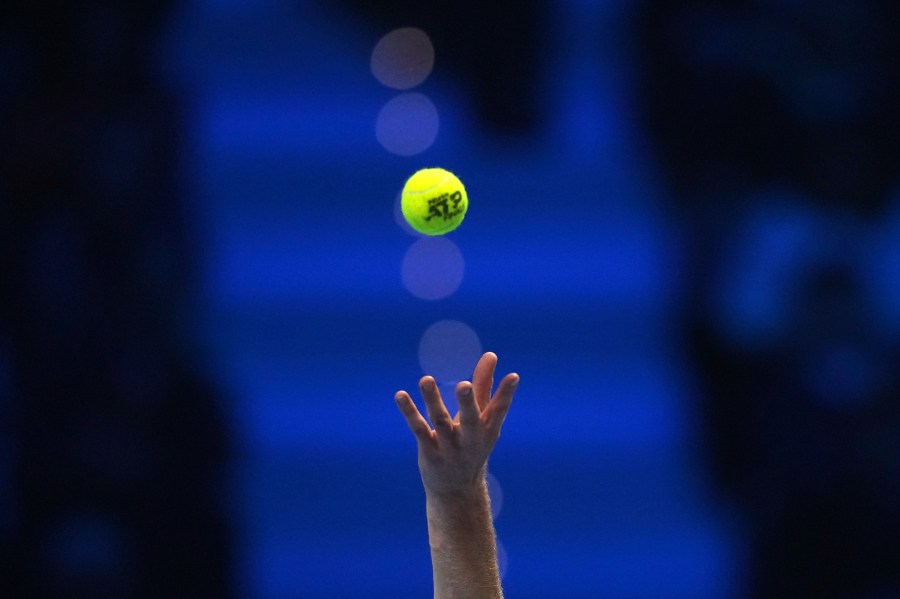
[684, 234]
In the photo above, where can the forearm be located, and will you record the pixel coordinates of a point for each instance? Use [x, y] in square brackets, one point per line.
[463, 545]
[453, 462]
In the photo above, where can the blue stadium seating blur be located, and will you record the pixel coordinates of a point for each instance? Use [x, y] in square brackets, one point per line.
[684, 234]
[572, 275]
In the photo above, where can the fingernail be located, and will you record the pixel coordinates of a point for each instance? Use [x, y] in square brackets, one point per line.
[515, 381]
[467, 390]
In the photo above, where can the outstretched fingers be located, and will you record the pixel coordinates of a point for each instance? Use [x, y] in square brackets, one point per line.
[474, 415]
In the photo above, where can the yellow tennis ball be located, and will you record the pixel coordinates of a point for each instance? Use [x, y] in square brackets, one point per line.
[434, 201]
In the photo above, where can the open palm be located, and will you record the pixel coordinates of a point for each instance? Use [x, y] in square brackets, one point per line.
[453, 455]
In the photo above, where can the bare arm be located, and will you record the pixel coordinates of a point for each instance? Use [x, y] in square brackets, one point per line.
[453, 462]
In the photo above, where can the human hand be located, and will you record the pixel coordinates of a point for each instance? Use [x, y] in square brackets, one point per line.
[453, 455]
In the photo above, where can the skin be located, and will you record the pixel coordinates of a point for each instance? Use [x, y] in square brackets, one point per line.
[453, 453]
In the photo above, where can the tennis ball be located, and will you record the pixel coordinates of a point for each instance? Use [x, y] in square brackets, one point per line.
[434, 201]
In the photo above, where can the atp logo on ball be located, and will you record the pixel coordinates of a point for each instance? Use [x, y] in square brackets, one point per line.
[434, 201]
[439, 207]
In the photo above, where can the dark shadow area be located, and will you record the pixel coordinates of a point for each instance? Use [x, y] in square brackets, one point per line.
[115, 448]
[776, 124]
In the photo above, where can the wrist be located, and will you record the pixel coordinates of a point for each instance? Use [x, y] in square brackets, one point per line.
[459, 508]
[467, 493]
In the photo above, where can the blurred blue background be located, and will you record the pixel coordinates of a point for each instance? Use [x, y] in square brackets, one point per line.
[684, 234]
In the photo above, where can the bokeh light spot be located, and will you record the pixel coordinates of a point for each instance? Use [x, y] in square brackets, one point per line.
[448, 351]
[432, 268]
[502, 559]
[407, 125]
[403, 58]
[495, 492]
